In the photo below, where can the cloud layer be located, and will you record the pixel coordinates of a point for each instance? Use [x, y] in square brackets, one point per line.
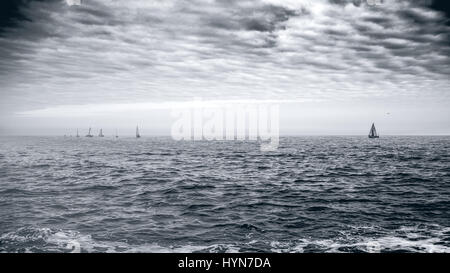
[110, 51]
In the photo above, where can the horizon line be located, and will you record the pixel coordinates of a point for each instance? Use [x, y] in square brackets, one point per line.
[165, 135]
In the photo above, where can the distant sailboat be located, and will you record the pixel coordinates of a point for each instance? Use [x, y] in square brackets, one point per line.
[89, 134]
[78, 135]
[101, 133]
[373, 132]
[117, 135]
[137, 133]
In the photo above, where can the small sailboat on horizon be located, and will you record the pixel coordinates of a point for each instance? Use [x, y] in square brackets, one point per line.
[373, 132]
[101, 133]
[89, 133]
[137, 133]
[78, 135]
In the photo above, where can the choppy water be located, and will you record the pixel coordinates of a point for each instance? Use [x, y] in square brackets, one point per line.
[315, 194]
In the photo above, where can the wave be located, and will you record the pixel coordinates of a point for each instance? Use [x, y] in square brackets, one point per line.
[39, 240]
[431, 239]
[405, 239]
[373, 245]
[206, 197]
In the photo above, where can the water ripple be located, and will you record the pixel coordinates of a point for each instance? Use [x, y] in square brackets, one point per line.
[314, 194]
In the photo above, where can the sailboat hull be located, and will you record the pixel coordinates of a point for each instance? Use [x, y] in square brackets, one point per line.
[374, 137]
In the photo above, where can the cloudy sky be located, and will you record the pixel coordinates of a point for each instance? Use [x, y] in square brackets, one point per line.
[334, 66]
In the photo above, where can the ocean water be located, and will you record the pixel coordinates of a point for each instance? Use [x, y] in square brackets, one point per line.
[314, 194]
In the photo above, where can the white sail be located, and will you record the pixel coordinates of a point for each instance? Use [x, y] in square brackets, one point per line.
[101, 133]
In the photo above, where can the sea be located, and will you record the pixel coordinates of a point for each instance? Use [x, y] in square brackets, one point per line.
[155, 194]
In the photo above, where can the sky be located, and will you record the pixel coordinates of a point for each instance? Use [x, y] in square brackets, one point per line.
[332, 66]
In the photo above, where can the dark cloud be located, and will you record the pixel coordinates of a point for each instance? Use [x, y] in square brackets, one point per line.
[108, 51]
[441, 6]
[10, 13]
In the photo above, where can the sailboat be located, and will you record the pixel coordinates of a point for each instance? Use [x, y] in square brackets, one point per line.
[89, 134]
[137, 133]
[373, 132]
[101, 133]
[78, 135]
[117, 135]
